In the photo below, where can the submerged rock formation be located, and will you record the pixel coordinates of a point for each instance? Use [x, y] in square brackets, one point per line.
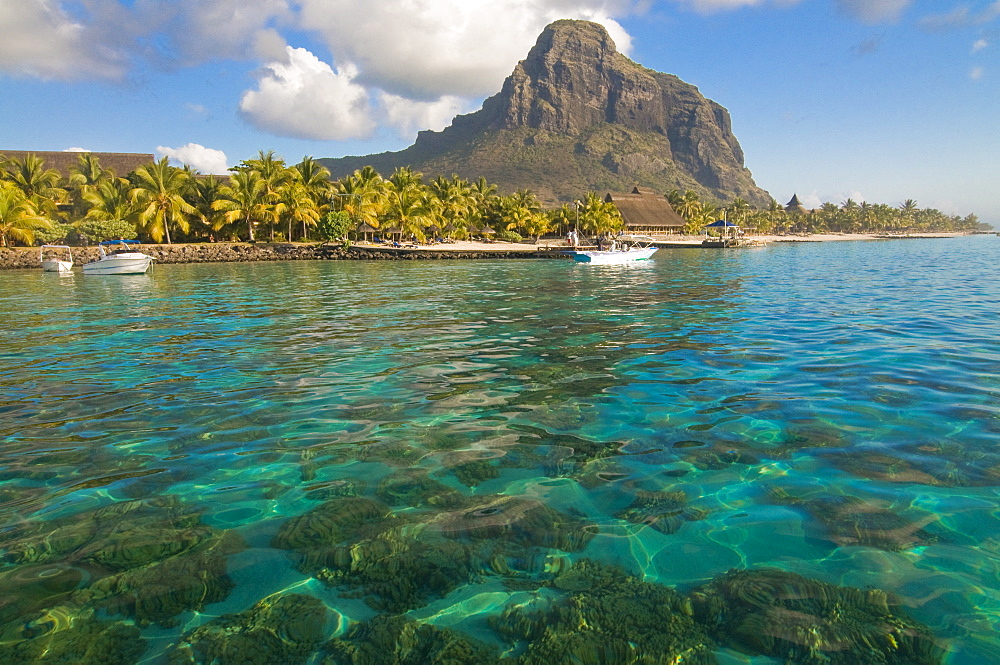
[577, 115]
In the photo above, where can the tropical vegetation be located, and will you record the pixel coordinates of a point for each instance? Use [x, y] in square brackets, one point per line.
[266, 199]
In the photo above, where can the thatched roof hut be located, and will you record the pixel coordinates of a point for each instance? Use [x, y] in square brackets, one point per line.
[795, 206]
[645, 211]
[122, 163]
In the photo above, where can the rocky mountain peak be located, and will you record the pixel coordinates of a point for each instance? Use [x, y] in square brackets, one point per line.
[576, 113]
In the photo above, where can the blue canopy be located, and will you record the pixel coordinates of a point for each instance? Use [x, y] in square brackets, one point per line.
[119, 242]
[724, 223]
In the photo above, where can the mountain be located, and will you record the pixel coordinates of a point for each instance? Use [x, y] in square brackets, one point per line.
[576, 115]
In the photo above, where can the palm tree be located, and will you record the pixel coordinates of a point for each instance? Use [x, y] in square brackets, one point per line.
[315, 179]
[39, 185]
[245, 200]
[599, 216]
[363, 195]
[110, 200]
[84, 178]
[18, 218]
[272, 171]
[739, 211]
[455, 201]
[562, 218]
[689, 206]
[158, 193]
[411, 210]
[202, 193]
[296, 204]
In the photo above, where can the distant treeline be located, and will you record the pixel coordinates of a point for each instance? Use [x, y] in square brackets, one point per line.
[265, 199]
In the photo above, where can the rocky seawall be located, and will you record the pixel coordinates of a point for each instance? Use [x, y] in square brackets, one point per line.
[19, 258]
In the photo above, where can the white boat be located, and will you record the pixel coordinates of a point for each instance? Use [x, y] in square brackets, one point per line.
[56, 261]
[120, 258]
[615, 256]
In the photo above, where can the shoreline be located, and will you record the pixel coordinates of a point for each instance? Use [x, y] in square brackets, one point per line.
[26, 258]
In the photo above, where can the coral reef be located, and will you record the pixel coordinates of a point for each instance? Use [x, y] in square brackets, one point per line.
[808, 622]
[285, 630]
[394, 640]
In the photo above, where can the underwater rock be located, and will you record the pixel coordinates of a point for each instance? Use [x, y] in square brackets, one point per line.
[334, 489]
[332, 522]
[415, 488]
[276, 631]
[394, 640]
[360, 544]
[881, 466]
[119, 537]
[150, 559]
[398, 571]
[80, 641]
[605, 616]
[850, 520]
[808, 622]
[516, 519]
[157, 593]
[471, 474]
[28, 591]
[664, 511]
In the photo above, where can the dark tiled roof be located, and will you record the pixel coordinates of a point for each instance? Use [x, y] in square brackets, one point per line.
[643, 208]
[122, 163]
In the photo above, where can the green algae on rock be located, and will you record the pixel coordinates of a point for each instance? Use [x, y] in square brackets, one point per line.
[82, 641]
[515, 519]
[851, 520]
[808, 622]
[604, 615]
[664, 511]
[150, 559]
[395, 640]
[276, 631]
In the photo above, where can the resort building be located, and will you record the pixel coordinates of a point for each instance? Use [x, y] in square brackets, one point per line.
[122, 163]
[795, 207]
[646, 212]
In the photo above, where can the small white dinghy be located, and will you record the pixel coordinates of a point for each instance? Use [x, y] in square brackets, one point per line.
[620, 251]
[125, 260]
[54, 259]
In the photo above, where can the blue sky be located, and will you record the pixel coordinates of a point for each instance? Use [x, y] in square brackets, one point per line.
[877, 100]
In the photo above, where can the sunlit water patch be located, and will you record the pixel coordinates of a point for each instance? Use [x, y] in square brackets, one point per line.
[712, 457]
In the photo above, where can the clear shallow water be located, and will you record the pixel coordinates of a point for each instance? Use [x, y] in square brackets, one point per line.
[830, 410]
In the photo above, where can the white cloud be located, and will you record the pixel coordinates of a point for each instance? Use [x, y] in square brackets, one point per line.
[205, 30]
[198, 157]
[874, 11]
[448, 47]
[304, 97]
[41, 40]
[961, 17]
[77, 150]
[979, 45]
[713, 6]
[408, 116]
[976, 73]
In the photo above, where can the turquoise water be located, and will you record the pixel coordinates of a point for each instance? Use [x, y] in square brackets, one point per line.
[447, 440]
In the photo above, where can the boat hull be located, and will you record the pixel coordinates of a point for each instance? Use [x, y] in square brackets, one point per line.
[119, 264]
[614, 257]
[55, 265]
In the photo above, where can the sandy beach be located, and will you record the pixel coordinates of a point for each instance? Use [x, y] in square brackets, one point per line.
[693, 241]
